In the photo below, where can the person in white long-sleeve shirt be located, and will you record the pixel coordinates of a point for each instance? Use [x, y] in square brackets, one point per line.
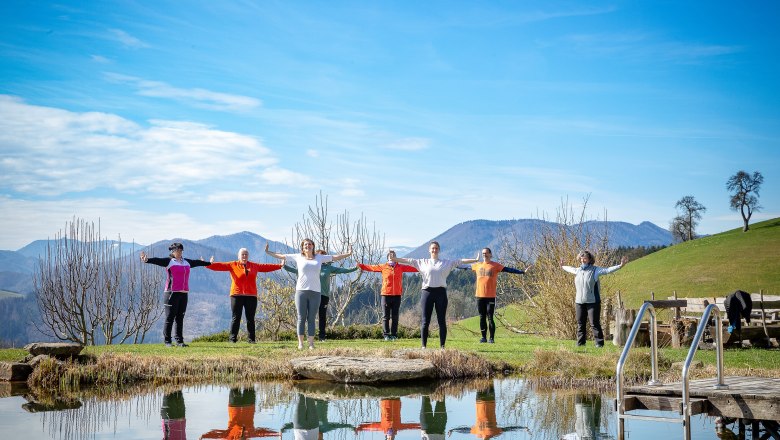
[434, 273]
[587, 303]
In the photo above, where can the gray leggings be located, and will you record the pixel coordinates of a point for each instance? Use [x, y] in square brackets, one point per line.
[307, 303]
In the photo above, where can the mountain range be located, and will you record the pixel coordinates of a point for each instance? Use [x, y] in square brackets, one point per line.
[465, 239]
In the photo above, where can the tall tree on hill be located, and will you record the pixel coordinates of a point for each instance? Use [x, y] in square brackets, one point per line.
[88, 293]
[744, 198]
[336, 237]
[683, 227]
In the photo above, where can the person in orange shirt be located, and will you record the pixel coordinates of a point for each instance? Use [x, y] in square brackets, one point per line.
[392, 289]
[390, 422]
[243, 290]
[486, 425]
[241, 418]
[487, 276]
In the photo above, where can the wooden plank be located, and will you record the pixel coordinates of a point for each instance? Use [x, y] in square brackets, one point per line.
[668, 303]
[664, 403]
[740, 408]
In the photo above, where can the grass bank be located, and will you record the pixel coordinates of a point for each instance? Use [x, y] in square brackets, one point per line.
[549, 361]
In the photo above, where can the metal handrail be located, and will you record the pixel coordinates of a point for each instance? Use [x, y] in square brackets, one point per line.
[627, 347]
[686, 400]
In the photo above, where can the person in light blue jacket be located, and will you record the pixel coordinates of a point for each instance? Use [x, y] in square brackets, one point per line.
[587, 303]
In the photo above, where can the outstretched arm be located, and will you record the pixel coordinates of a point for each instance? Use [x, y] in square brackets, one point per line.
[395, 259]
[156, 261]
[469, 260]
[273, 254]
[343, 256]
[512, 270]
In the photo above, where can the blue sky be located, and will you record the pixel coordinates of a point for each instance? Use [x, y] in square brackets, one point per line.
[193, 119]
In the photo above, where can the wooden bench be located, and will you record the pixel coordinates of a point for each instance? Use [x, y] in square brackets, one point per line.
[764, 317]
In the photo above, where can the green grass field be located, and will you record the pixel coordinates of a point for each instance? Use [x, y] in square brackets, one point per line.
[711, 266]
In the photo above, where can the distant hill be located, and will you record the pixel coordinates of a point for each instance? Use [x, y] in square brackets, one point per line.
[715, 265]
[465, 239]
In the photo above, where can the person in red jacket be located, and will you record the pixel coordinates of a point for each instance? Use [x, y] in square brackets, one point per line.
[392, 289]
[177, 287]
[243, 290]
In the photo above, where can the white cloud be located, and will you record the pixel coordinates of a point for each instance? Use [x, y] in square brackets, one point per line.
[49, 151]
[36, 220]
[196, 97]
[409, 144]
[247, 197]
[313, 153]
[126, 39]
[100, 59]
[351, 188]
[281, 176]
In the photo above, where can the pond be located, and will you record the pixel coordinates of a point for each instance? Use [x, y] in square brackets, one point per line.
[503, 408]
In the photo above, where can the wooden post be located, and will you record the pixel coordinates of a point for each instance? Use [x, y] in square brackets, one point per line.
[676, 309]
[763, 317]
[624, 319]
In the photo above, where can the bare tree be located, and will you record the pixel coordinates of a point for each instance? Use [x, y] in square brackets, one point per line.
[336, 237]
[689, 214]
[277, 312]
[745, 194]
[546, 292]
[678, 229]
[86, 294]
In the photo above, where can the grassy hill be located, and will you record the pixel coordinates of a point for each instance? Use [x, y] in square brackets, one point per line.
[711, 266]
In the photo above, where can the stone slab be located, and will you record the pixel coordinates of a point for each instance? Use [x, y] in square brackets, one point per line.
[362, 370]
[14, 371]
[59, 350]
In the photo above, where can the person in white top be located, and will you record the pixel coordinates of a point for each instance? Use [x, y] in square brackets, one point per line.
[307, 288]
[587, 303]
[434, 273]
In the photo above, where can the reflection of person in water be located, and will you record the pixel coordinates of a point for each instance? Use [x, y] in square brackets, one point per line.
[174, 424]
[433, 419]
[241, 418]
[587, 408]
[390, 422]
[325, 425]
[305, 424]
[486, 425]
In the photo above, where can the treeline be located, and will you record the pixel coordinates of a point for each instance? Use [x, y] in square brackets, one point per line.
[637, 252]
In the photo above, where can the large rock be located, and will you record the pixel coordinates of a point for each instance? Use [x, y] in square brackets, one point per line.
[60, 350]
[362, 370]
[14, 371]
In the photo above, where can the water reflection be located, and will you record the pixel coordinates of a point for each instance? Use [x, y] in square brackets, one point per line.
[241, 418]
[390, 421]
[174, 420]
[486, 425]
[587, 425]
[503, 409]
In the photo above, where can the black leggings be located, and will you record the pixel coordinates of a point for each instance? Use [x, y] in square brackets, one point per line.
[591, 312]
[390, 306]
[434, 297]
[175, 308]
[487, 308]
[323, 315]
[249, 304]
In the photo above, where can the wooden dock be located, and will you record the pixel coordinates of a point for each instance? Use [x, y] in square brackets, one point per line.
[749, 398]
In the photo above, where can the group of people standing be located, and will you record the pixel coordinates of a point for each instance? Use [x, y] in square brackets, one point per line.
[314, 269]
